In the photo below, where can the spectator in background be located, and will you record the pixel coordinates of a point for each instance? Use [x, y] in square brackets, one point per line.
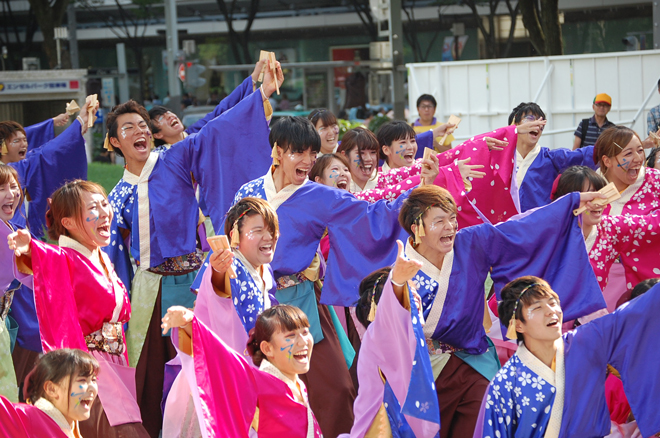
[426, 105]
[590, 129]
[653, 119]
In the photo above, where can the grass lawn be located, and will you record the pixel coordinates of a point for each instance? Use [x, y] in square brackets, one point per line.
[105, 174]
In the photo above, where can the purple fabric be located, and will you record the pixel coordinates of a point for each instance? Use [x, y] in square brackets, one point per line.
[39, 134]
[46, 169]
[388, 345]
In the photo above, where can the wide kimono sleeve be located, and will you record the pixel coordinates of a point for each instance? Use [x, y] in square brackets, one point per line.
[393, 346]
[633, 238]
[26, 421]
[59, 326]
[47, 168]
[239, 93]
[39, 134]
[229, 151]
[547, 242]
[563, 158]
[362, 239]
[229, 389]
[493, 195]
[628, 340]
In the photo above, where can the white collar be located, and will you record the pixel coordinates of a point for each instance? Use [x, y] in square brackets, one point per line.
[442, 276]
[275, 198]
[591, 238]
[555, 378]
[385, 167]
[93, 256]
[134, 179]
[522, 164]
[49, 409]
[144, 214]
[371, 183]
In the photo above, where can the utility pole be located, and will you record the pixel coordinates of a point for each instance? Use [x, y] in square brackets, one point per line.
[172, 37]
[396, 45]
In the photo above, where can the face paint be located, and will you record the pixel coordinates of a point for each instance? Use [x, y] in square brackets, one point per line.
[288, 348]
[625, 165]
[79, 395]
[530, 314]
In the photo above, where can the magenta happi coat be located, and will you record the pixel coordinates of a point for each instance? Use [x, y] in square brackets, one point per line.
[79, 298]
[227, 390]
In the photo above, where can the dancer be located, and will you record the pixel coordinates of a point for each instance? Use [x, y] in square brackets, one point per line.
[326, 125]
[61, 390]
[80, 301]
[451, 285]
[157, 215]
[630, 239]
[396, 396]
[554, 385]
[230, 395]
[11, 197]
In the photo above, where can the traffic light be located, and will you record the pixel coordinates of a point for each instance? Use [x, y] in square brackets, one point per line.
[193, 72]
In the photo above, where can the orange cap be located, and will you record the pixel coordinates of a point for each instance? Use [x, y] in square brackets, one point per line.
[603, 98]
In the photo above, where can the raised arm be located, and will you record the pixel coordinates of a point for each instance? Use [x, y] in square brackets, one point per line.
[47, 168]
[627, 340]
[39, 133]
[548, 242]
[241, 92]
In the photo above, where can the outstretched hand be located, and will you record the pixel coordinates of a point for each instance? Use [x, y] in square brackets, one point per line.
[495, 144]
[469, 170]
[176, 316]
[19, 242]
[84, 112]
[529, 126]
[587, 198]
[442, 129]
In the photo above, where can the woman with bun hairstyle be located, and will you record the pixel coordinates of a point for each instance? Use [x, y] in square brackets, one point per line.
[230, 395]
[81, 302]
[60, 391]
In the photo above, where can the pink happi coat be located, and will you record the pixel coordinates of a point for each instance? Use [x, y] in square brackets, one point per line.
[477, 205]
[631, 231]
[26, 421]
[73, 298]
[227, 389]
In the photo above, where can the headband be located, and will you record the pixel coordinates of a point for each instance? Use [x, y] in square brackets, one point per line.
[235, 235]
[420, 225]
[511, 331]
